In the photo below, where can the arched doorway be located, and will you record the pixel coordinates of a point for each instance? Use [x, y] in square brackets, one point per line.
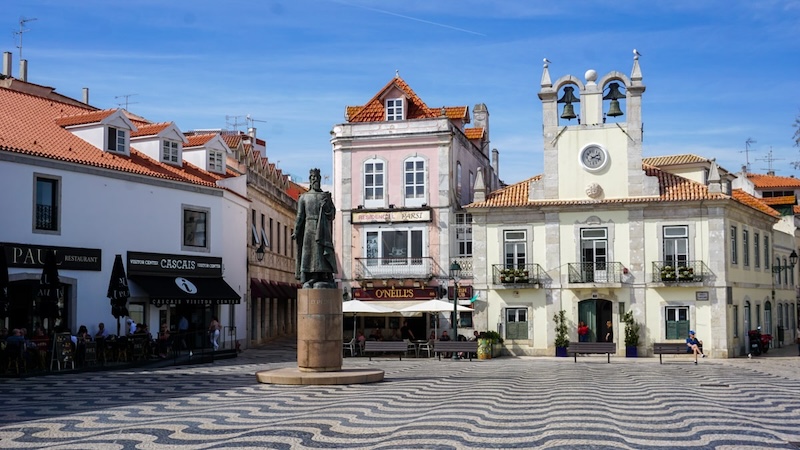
[595, 313]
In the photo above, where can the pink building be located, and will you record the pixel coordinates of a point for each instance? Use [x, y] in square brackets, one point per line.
[402, 172]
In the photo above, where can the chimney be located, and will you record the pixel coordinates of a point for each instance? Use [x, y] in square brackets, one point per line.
[7, 64]
[23, 70]
[86, 95]
[252, 132]
[496, 162]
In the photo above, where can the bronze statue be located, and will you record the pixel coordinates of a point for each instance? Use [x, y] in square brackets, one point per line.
[313, 231]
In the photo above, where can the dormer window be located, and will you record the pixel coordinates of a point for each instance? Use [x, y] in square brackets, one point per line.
[169, 151]
[117, 140]
[394, 109]
[216, 161]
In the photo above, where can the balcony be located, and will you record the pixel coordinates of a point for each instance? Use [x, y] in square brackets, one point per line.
[523, 275]
[595, 272]
[383, 268]
[682, 272]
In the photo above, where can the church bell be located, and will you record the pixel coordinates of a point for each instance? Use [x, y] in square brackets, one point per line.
[568, 98]
[614, 95]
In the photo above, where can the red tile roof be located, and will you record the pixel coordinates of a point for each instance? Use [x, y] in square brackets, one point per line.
[84, 117]
[150, 129]
[28, 126]
[198, 140]
[474, 133]
[374, 111]
[672, 160]
[785, 200]
[773, 182]
[672, 188]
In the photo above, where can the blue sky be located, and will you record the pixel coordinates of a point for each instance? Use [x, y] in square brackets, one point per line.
[717, 72]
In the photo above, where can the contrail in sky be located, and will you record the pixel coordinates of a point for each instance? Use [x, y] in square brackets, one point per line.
[414, 19]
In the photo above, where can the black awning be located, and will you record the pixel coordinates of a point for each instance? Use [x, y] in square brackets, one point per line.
[187, 291]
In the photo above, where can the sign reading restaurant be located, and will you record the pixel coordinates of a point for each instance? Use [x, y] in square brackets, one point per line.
[67, 258]
[159, 264]
[383, 216]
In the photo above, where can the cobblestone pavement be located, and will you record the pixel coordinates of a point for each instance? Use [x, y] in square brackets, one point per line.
[423, 404]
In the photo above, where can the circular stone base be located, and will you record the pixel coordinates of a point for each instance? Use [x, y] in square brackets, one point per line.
[295, 376]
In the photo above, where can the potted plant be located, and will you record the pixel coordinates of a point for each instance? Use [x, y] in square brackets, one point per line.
[562, 339]
[486, 344]
[631, 335]
[668, 273]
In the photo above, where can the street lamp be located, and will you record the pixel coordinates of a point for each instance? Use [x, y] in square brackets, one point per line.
[455, 274]
[777, 268]
[260, 253]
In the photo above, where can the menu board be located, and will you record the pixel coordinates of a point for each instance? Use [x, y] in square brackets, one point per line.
[63, 352]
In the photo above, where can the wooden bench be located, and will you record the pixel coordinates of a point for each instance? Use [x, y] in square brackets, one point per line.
[672, 348]
[371, 347]
[469, 347]
[592, 347]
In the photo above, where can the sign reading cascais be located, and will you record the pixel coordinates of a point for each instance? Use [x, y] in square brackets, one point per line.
[159, 264]
[383, 216]
[395, 293]
[67, 258]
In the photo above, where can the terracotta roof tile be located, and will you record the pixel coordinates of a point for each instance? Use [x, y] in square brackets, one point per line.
[374, 111]
[672, 188]
[785, 200]
[232, 140]
[773, 181]
[796, 209]
[198, 140]
[474, 133]
[83, 117]
[32, 130]
[672, 160]
[150, 129]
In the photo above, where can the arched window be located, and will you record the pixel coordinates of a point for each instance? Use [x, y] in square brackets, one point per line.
[415, 181]
[374, 183]
[767, 318]
[458, 179]
[747, 317]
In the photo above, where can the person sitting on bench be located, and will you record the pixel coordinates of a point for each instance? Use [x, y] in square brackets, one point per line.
[694, 346]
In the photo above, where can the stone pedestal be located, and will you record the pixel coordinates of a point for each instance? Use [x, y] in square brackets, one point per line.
[319, 330]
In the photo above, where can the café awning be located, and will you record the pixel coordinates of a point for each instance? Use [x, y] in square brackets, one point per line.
[187, 291]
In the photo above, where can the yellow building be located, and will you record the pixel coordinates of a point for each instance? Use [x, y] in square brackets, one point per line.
[677, 241]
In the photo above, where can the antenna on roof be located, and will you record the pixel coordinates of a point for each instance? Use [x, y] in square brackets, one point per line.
[22, 22]
[747, 151]
[127, 101]
[251, 121]
[769, 159]
[232, 122]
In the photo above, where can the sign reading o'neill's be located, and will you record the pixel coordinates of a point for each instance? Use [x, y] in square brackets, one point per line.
[391, 216]
[395, 293]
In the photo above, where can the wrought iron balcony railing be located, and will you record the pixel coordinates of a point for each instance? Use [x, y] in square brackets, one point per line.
[595, 272]
[466, 266]
[379, 268]
[46, 216]
[521, 274]
[681, 272]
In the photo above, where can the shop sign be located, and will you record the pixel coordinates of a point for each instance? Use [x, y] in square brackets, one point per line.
[68, 258]
[159, 264]
[464, 292]
[395, 293]
[423, 215]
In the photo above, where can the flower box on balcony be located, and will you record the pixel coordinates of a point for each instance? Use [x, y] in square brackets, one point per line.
[685, 274]
[668, 273]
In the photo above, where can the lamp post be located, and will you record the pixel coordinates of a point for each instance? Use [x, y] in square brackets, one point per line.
[455, 274]
[777, 268]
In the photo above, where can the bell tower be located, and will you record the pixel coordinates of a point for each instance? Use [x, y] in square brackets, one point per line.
[592, 130]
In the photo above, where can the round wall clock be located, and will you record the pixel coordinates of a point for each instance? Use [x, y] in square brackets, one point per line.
[593, 157]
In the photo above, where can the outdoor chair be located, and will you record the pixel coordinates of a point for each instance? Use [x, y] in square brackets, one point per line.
[411, 347]
[350, 347]
[426, 347]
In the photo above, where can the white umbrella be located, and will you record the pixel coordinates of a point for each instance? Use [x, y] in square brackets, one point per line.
[434, 306]
[355, 307]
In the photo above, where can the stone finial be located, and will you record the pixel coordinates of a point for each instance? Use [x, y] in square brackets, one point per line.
[636, 72]
[479, 190]
[714, 180]
[546, 83]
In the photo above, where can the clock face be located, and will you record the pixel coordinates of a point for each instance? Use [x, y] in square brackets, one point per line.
[593, 157]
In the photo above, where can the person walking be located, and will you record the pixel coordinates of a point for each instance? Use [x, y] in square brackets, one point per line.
[213, 333]
[583, 332]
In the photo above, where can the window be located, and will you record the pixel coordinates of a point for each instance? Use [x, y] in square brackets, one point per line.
[399, 245]
[216, 162]
[745, 248]
[285, 241]
[169, 151]
[278, 238]
[677, 322]
[517, 323]
[464, 319]
[515, 251]
[471, 187]
[48, 198]
[414, 181]
[394, 109]
[254, 241]
[464, 234]
[735, 320]
[785, 271]
[373, 183]
[734, 256]
[766, 252]
[117, 140]
[270, 233]
[756, 250]
[195, 225]
[676, 245]
[458, 179]
[768, 317]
